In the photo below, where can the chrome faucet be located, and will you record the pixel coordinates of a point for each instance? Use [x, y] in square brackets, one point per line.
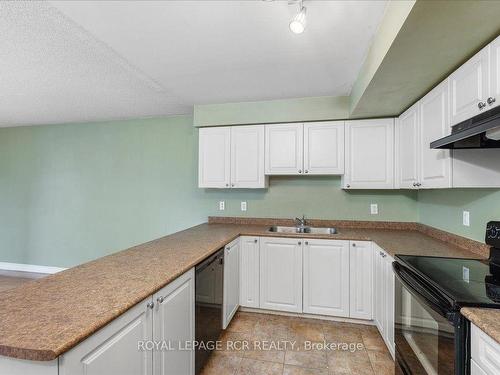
[301, 223]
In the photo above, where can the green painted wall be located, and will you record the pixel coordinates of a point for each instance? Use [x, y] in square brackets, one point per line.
[71, 193]
[286, 110]
[443, 209]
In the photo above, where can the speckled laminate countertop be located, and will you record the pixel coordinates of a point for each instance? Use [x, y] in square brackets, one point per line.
[488, 320]
[43, 319]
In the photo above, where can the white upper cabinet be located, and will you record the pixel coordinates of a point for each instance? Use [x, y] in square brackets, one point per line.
[214, 158]
[324, 147]
[326, 277]
[231, 157]
[494, 97]
[408, 144]
[435, 165]
[369, 154]
[281, 274]
[469, 88]
[284, 149]
[247, 157]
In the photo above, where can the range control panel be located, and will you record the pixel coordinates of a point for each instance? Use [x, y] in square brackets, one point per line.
[493, 234]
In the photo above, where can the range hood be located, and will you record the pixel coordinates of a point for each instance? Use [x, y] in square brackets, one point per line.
[481, 131]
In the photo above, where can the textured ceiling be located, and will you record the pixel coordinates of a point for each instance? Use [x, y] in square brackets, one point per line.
[81, 61]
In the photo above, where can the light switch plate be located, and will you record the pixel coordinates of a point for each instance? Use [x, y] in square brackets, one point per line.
[374, 209]
[243, 206]
[222, 206]
[466, 218]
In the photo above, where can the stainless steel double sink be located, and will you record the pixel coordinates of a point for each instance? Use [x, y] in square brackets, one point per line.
[307, 230]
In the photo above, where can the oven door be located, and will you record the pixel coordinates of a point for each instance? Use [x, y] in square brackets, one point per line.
[430, 338]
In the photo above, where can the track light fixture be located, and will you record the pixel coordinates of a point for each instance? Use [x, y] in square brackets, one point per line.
[298, 23]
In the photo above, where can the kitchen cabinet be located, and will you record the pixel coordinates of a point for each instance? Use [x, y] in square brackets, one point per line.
[174, 323]
[231, 157]
[214, 157]
[231, 299]
[419, 166]
[324, 147]
[281, 274]
[408, 130]
[114, 348]
[485, 353]
[469, 87]
[284, 149]
[326, 277]
[494, 97]
[309, 148]
[360, 280]
[384, 296]
[249, 271]
[369, 154]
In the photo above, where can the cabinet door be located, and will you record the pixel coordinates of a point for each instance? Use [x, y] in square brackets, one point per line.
[284, 149]
[249, 271]
[114, 349]
[231, 282]
[408, 148]
[494, 97]
[380, 291]
[247, 157]
[173, 323]
[324, 147]
[361, 280]
[369, 154]
[326, 277]
[389, 304]
[469, 86]
[214, 159]
[281, 274]
[435, 165]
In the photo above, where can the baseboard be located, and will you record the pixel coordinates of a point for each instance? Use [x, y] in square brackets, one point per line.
[29, 268]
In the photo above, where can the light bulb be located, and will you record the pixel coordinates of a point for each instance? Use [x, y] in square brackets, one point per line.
[298, 23]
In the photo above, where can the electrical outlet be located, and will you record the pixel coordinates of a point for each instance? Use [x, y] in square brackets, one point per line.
[466, 218]
[374, 209]
[243, 206]
[222, 206]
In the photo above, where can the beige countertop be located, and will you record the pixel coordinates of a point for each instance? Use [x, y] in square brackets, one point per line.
[43, 319]
[488, 320]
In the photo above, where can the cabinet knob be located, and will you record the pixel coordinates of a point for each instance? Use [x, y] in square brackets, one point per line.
[150, 305]
[256, 240]
[354, 245]
[160, 299]
[419, 184]
[348, 186]
[491, 100]
[300, 170]
[306, 171]
[227, 185]
[232, 185]
[481, 105]
[307, 243]
[300, 242]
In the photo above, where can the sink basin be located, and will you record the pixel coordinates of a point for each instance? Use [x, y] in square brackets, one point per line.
[308, 230]
[312, 230]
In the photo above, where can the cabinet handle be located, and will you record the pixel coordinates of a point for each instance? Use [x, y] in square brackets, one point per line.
[227, 185]
[300, 242]
[491, 100]
[256, 240]
[419, 184]
[300, 170]
[354, 245]
[160, 299]
[306, 171]
[232, 185]
[481, 105]
[348, 186]
[307, 243]
[150, 305]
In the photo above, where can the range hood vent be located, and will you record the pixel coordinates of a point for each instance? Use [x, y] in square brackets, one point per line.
[481, 131]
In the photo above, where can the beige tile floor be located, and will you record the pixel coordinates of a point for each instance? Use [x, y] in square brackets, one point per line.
[372, 358]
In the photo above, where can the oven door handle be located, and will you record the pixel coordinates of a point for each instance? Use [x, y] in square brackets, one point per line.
[437, 301]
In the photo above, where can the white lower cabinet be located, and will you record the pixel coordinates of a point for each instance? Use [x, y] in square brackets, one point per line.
[231, 299]
[173, 323]
[249, 271]
[485, 353]
[361, 280]
[326, 277]
[384, 296]
[281, 274]
[117, 348]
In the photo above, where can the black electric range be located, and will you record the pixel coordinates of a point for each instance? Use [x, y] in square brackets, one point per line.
[431, 335]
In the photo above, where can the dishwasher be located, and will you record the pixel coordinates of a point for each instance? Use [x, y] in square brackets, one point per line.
[209, 286]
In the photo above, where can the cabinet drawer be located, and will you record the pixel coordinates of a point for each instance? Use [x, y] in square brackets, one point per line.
[485, 352]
